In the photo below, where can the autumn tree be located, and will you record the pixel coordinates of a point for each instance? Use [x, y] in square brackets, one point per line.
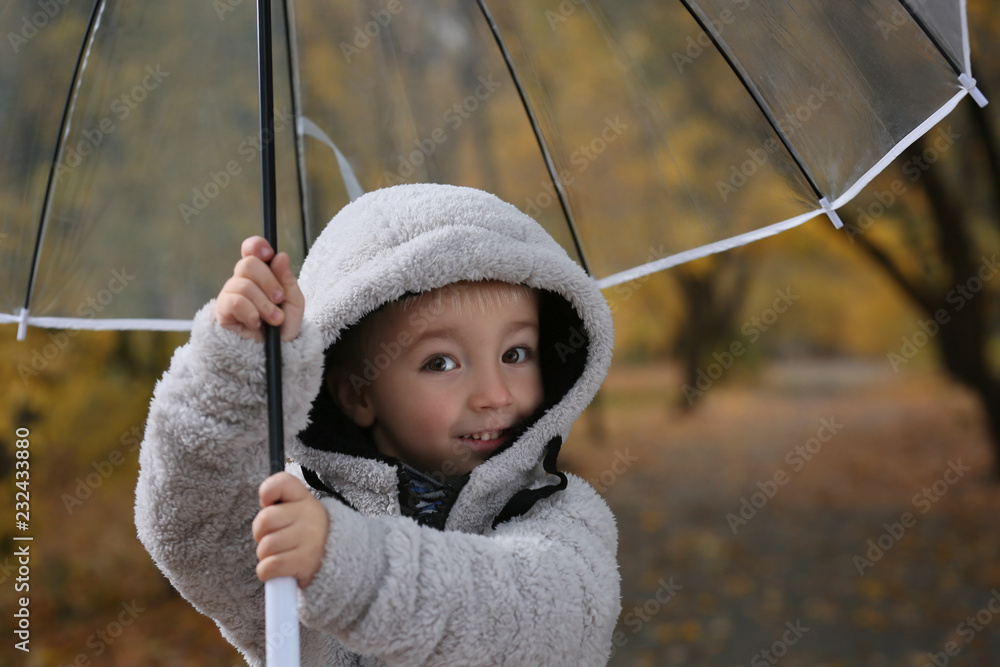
[947, 272]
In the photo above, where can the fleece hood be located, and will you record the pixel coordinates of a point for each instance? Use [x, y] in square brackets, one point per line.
[410, 239]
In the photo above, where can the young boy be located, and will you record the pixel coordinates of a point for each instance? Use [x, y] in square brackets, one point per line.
[438, 351]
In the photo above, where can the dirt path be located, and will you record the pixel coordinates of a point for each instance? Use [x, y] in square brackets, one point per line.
[745, 525]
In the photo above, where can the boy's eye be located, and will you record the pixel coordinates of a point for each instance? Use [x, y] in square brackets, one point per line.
[440, 363]
[516, 355]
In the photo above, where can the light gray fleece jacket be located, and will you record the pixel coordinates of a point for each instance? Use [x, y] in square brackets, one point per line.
[524, 571]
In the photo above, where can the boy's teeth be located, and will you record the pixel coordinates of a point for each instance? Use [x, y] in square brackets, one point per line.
[492, 435]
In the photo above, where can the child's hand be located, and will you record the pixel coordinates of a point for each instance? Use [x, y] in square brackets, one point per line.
[290, 530]
[256, 289]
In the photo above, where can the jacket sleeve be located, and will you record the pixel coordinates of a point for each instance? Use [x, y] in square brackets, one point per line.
[203, 457]
[541, 589]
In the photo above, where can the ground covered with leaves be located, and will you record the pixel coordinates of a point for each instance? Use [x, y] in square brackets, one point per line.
[834, 514]
[827, 456]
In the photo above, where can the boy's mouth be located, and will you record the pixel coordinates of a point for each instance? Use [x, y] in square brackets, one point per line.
[485, 435]
[484, 442]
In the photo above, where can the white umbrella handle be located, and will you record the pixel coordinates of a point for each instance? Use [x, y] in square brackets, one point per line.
[281, 620]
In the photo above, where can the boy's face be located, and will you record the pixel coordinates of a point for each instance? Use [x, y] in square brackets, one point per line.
[467, 371]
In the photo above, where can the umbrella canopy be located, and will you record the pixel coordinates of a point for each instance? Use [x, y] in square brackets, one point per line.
[640, 134]
[117, 117]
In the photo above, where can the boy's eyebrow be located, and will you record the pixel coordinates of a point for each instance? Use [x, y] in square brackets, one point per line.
[517, 325]
[446, 333]
[451, 333]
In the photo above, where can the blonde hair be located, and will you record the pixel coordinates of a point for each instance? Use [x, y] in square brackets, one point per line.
[467, 296]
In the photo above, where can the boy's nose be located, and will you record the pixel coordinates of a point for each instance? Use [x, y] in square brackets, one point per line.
[491, 391]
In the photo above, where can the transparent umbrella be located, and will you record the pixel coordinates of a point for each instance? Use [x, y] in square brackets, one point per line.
[641, 134]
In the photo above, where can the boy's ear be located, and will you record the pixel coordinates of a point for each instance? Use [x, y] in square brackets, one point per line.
[352, 399]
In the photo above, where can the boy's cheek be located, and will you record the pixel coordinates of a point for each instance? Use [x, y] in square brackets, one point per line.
[535, 393]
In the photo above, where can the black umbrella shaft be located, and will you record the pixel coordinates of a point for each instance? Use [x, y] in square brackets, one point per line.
[272, 335]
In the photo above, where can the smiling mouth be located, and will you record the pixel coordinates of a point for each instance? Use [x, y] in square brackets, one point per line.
[485, 436]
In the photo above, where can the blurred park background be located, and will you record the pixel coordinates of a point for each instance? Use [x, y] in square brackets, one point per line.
[800, 438]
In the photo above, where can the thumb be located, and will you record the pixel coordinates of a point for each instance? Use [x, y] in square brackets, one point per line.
[281, 487]
[293, 303]
[281, 266]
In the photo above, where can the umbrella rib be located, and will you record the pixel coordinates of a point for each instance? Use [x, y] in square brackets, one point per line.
[60, 141]
[959, 70]
[536, 128]
[964, 78]
[743, 78]
[295, 89]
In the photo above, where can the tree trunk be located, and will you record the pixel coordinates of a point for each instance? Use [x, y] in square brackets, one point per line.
[958, 309]
[712, 301]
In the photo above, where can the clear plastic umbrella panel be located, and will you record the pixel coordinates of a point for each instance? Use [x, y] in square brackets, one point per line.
[641, 134]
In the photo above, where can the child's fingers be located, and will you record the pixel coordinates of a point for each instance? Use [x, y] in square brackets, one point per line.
[256, 246]
[243, 301]
[279, 565]
[264, 286]
[232, 308]
[286, 553]
[293, 304]
[276, 542]
[281, 487]
[267, 570]
[290, 530]
[256, 271]
[281, 267]
[270, 520]
[279, 543]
